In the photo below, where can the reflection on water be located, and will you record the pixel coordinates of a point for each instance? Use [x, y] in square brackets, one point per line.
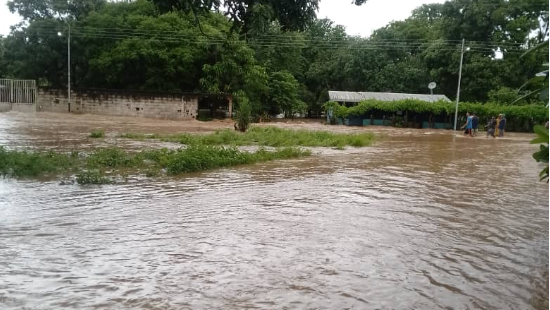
[417, 222]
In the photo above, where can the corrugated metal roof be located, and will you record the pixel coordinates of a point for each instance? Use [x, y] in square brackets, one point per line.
[350, 96]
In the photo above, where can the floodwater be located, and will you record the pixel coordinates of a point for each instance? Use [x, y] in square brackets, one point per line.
[422, 220]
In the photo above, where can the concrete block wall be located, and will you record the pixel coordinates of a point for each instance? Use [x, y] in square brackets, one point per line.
[23, 107]
[5, 106]
[120, 103]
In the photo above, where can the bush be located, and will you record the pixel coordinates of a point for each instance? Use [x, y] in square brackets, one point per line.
[97, 134]
[111, 157]
[271, 136]
[197, 158]
[190, 159]
[25, 164]
[518, 118]
[244, 114]
[92, 177]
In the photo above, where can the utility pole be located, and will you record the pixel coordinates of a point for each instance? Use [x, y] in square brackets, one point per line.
[69, 66]
[459, 78]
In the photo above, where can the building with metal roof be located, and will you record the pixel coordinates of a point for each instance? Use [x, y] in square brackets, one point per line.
[352, 97]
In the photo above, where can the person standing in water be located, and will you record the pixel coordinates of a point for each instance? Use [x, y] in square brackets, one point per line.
[496, 128]
[491, 127]
[501, 125]
[468, 125]
[475, 123]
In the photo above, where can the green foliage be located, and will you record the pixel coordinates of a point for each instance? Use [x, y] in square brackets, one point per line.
[31, 164]
[112, 157]
[197, 158]
[518, 118]
[542, 154]
[92, 177]
[97, 134]
[283, 94]
[138, 136]
[505, 95]
[291, 14]
[244, 114]
[193, 158]
[331, 108]
[269, 136]
[283, 57]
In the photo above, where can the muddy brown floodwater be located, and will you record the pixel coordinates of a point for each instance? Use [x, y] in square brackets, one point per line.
[422, 220]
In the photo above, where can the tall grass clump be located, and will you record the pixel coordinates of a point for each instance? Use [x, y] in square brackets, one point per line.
[139, 136]
[92, 177]
[113, 158]
[90, 169]
[275, 137]
[97, 134]
[197, 158]
[30, 164]
[244, 114]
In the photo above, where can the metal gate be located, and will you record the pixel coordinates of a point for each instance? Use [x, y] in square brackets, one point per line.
[18, 91]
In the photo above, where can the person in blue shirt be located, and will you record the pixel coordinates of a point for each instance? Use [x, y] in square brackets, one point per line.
[468, 125]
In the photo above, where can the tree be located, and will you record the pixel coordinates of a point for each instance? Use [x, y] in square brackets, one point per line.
[32, 10]
[291, 14]
[504, 95]
[283, 94]
[542, 154]
[235, 70]
[3, 64]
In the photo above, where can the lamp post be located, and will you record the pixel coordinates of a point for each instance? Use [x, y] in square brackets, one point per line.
[68, 65]
[459, 78]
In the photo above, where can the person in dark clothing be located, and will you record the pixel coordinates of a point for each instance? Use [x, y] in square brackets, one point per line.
[491, 125]
[501, 125]
[475, 123]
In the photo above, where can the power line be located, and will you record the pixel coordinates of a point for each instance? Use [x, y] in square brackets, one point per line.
[440, 45]
[270, 38]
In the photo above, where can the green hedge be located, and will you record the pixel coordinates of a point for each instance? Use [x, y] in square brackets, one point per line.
[519, 118]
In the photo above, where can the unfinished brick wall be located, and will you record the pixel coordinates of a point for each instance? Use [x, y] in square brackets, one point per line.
[119, 103]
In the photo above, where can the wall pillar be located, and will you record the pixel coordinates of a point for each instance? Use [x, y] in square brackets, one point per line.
[230, 105]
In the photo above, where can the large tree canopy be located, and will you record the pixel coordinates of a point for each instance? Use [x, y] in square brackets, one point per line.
[275, 54]
[248, 14]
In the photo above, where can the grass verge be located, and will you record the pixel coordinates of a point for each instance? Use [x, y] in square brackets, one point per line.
[92, 177]
[31, 164]
[97, 134]
[90, 169]
[266, 136]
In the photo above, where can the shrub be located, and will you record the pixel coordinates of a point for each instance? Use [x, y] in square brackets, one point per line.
[519, 118]
[244, 114]
[92, 177]
[97, 134]
[25, 163]
[273, 136]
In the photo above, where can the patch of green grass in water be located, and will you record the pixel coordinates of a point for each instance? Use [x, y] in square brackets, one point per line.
[268, 136]
[31, 164]
[89, 169]
[97, 134]
[92, 177]
[139, 136]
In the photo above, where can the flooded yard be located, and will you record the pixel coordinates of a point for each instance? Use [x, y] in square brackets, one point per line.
[421, 220]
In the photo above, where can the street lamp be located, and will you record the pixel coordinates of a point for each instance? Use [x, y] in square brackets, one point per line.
[459, 78]
[68, 65]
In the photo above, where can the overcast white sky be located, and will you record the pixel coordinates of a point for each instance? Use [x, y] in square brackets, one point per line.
[360, 20]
